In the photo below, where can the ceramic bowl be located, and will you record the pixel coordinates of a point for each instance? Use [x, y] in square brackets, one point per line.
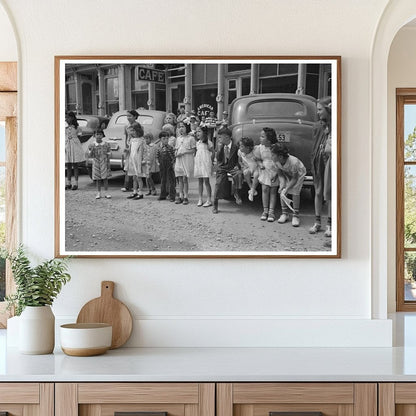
[83, 340]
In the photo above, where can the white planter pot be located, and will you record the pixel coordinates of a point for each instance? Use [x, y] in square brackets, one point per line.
[37, 330]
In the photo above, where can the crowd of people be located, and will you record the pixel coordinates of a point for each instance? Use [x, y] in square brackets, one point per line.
[192, 147]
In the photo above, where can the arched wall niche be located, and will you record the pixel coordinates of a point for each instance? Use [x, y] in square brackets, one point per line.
[397, 14]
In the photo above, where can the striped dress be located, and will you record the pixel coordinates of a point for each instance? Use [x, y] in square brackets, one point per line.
[100, 154]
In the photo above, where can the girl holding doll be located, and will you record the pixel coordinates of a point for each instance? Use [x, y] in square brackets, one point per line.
[203, 165]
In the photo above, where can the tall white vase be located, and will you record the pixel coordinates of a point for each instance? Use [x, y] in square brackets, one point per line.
[37, 330]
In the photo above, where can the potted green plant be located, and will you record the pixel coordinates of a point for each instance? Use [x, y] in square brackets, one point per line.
[36, 289]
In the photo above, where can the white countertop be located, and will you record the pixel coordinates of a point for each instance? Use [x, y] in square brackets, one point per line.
[215, 364]
[222, 364]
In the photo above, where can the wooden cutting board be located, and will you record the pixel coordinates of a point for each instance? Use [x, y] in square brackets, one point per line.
[108, 310]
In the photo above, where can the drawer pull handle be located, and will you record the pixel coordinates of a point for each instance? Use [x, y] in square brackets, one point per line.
[140, 414]
[295, 413]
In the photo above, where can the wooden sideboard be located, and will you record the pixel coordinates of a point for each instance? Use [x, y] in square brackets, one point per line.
[208, 399]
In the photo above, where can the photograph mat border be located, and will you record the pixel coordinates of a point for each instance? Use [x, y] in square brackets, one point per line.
[61, 61]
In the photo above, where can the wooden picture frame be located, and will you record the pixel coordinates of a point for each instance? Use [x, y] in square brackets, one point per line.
[273, 92]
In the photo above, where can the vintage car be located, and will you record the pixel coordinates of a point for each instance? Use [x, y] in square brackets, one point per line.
[292, 116]
[151, 120]
[90, 123]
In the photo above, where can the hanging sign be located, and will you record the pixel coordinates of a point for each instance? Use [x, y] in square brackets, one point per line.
[204, 109]
[150, 75]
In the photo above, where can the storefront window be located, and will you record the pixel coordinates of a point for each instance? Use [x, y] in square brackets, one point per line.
[286, 84]
[70, 95]
[111, 88]
[211, 73]
[238, 67]
[285, 69]
[268, 70]
[245, 86]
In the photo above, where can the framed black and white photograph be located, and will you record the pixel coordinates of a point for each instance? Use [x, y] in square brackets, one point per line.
[198, 156]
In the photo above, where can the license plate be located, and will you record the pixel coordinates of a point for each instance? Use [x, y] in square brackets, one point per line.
[283, 137]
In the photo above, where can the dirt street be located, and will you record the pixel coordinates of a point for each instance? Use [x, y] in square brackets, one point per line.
[120, 224]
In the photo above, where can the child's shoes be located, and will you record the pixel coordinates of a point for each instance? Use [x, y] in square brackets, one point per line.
[98, 196]
[283, 218]
[199, 204]
[207, 204]
[250, 195]
[271, 217]
[108, 196]
[185, 201]
[124, 189]
[315, 228]
[237, 198]
[264, 216]
[295, 221]
[328, 231]
[133, 195]
[154, 192]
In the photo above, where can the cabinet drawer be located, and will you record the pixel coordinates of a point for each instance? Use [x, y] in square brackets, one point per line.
[397, 399]
[270, 399]
[21, 399]
[147, 399]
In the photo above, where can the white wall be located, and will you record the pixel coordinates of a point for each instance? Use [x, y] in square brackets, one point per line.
[401, 74]
[8, 45]
[212, 302]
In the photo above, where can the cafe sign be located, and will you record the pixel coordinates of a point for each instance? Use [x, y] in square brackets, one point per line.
[150, 75]
[204, 109]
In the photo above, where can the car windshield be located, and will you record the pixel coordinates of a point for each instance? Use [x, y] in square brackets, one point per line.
[82, 122]
[143, 120]
[280, 108]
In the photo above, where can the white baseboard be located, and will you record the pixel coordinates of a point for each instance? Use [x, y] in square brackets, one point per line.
[255, 332]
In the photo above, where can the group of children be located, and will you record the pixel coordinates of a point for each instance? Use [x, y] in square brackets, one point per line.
[183, 156]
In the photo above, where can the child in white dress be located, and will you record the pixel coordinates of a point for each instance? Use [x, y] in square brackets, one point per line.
[137, 162]
[203, 164]
[267, 173]
[184, 165]
[291, 174]
[74, 153]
